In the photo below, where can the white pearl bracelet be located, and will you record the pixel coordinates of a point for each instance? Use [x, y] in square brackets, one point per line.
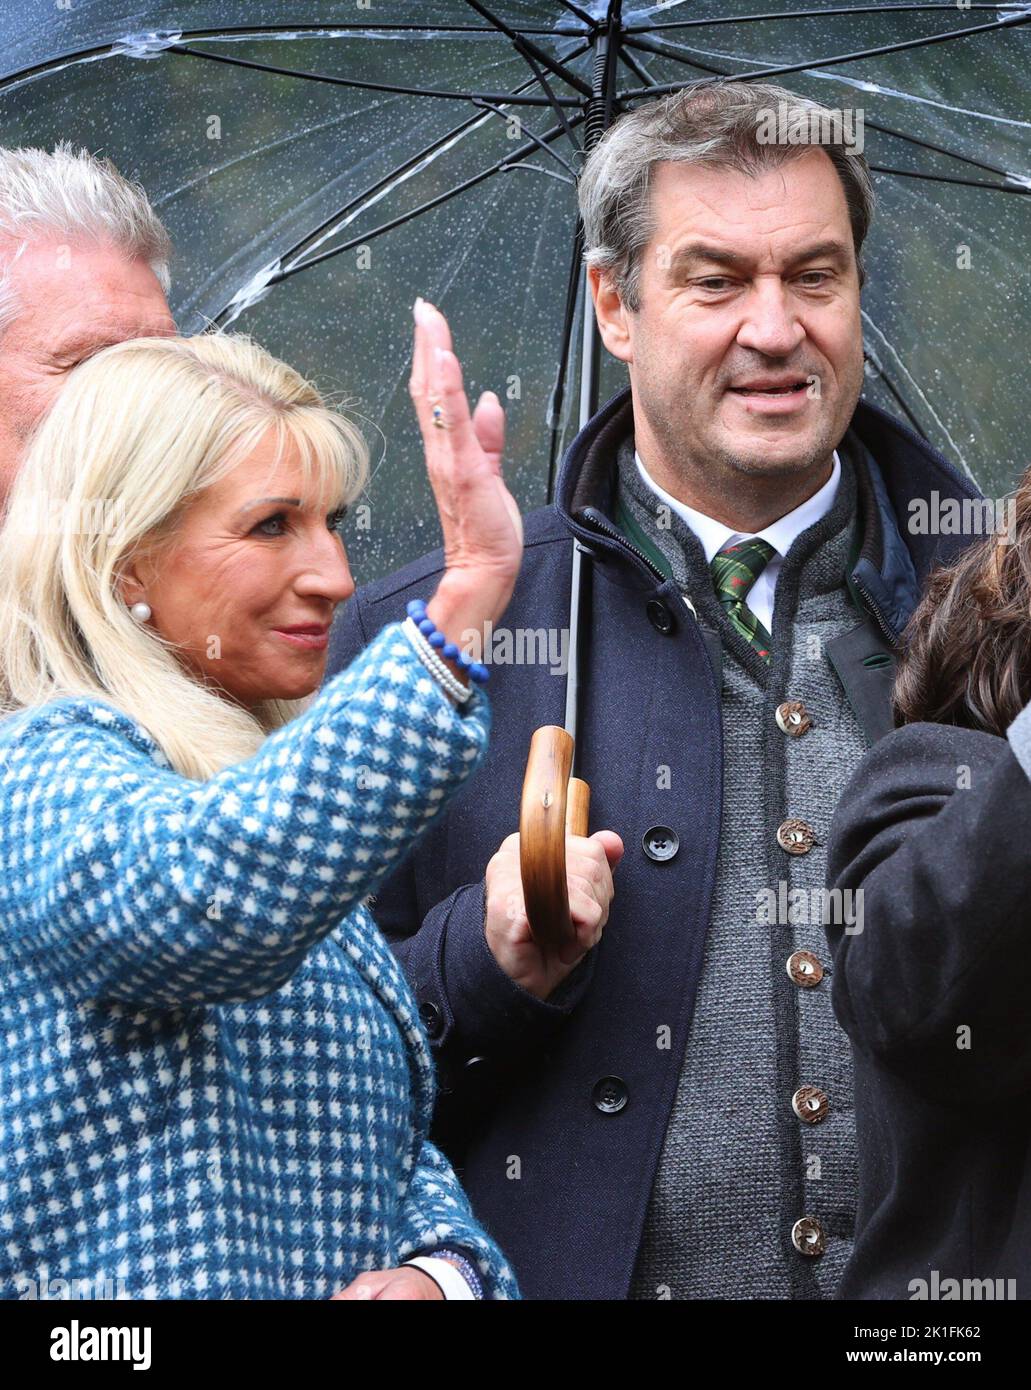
[428, 656]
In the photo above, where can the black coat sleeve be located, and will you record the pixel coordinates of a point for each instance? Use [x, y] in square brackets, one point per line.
[934, 832]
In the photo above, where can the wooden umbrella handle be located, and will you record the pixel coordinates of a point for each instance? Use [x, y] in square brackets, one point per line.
[553, 803]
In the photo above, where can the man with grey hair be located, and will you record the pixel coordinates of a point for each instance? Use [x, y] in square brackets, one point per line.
[673, 1116]
[83, 265]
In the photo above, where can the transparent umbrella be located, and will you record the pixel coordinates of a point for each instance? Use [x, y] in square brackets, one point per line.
[320, 164]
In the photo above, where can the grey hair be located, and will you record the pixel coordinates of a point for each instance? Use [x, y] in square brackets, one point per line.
[717, 125]
[74, 195]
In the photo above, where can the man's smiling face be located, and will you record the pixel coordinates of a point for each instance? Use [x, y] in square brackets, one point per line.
[70, 302]
[745, 352]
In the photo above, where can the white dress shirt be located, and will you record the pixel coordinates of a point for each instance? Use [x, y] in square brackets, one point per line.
[714, 535]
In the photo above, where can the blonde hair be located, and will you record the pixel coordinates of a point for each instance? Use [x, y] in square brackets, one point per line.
[136, 432]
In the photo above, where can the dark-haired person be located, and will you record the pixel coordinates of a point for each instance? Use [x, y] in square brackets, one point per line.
[672, 1117]
[935, 992]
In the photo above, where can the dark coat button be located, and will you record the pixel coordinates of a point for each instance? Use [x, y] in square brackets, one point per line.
[810, 1104]
[661, 843]
[660, 617]
[610, 1095]
[432, 1019]
[807, 1236]
[796, 836]
[793, 718]
[480, 1078]
[805, 969]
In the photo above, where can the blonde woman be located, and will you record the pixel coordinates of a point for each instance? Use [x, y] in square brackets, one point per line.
[213, 1079]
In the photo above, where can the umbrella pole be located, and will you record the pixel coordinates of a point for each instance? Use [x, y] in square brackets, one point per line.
[600, 113]
[589, 355]
[555, 803]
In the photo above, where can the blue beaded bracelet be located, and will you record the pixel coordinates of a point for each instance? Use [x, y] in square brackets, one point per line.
[465, 1266]
[417, 612]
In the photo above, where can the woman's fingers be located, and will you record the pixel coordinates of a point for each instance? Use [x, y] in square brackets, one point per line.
[489, 427]
[431, 330]
[452, 447]
[431, 333]
[479, 519]
[456, 439]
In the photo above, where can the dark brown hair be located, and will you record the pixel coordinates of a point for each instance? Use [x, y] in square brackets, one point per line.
[719, 125]
[966, 651]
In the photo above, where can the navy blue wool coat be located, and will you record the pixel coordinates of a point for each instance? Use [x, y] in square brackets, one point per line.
[527, 1084]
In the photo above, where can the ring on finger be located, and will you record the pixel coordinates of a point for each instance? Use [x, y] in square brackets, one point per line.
[438, 416]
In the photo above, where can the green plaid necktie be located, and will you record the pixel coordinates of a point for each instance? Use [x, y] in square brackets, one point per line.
[734, 570]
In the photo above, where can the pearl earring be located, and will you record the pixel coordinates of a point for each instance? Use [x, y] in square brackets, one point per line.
[140, 611]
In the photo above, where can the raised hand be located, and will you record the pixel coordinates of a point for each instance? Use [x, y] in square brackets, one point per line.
[483, 533]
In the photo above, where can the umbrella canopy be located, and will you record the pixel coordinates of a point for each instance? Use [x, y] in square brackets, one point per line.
[320, 164]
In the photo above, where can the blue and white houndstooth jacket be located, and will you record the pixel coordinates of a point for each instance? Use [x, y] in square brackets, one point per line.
[213, 1079]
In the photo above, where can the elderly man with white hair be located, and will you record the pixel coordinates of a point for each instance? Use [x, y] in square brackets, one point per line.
[83, 265]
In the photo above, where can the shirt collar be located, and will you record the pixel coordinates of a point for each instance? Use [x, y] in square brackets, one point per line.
[714, 535]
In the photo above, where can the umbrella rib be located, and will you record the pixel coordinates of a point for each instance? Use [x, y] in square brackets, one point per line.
[629, 61]
[526, 46]
[939, 149]
[839, 58]
[874, 125]
[591, 22]
[525, 53]
[896, 395]
[906, 375]
[555, 106]
[488, 106]
[951, 178]
[537, 169]
[949, 5]
[643, 45]
[260, 31]
[365, 86]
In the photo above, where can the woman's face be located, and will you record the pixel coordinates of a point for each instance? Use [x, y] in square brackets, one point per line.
[248, 584]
